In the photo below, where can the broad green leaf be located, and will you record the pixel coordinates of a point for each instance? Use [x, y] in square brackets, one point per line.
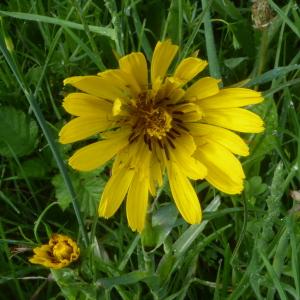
[18, 132]
[88, 187]
[34, 168]
[163, 221]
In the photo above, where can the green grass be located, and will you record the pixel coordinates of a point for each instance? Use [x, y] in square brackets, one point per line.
[248, 245]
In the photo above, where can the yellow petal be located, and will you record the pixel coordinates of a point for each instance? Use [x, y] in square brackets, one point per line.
[156, 171]
[114, 192]
[163, 55]
[97, 86]
[135, 156]
[42, 251]
[125, 81]
[191, 112]
[224, 171]
[169, 91]
[202, 88]
[184, 195]
[184, 146]
[136, 65]
[82, 127]
[80, 104]
[224, 137]
[93, 156]
[231, 97]
[190, 166]
[175, 95]
[189, 68]
[122, 159]
[137, 201]
[237, 119]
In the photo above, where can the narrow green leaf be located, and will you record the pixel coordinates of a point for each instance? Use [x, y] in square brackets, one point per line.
[9, 202]
[129, 278]
[143, 37]
[291, 225]
[273, 276]
[275, 73]
[56, 21]
[214, 68]
[285, 18]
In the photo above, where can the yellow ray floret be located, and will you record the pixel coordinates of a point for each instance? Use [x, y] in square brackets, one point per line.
[136, 65]
[184, 195]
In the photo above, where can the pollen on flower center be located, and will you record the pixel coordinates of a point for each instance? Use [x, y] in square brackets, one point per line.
[62, 250]
[157, 122]
[153, 122]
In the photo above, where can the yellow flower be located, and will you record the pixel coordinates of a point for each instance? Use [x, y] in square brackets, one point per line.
[159, 127]
[58, 253]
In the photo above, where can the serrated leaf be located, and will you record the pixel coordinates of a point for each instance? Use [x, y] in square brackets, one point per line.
[88, 187]
[18, 132]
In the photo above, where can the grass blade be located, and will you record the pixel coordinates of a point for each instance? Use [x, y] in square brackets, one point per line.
[273, 276]
[56, 21]
[214, 68]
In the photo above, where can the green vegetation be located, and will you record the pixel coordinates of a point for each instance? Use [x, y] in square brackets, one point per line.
[248, 245]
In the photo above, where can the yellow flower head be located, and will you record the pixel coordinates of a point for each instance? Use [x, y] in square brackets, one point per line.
[159, 126]
[58, 253]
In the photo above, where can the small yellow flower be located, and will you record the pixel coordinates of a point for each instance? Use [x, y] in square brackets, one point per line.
[58, 253]
[159, 126]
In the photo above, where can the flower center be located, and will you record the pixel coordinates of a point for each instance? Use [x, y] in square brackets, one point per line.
[157, 122]
[151, 120]
[62, 250]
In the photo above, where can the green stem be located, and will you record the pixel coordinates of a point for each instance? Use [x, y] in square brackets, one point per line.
[51, 142]
[262, 54]
[214, 68]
